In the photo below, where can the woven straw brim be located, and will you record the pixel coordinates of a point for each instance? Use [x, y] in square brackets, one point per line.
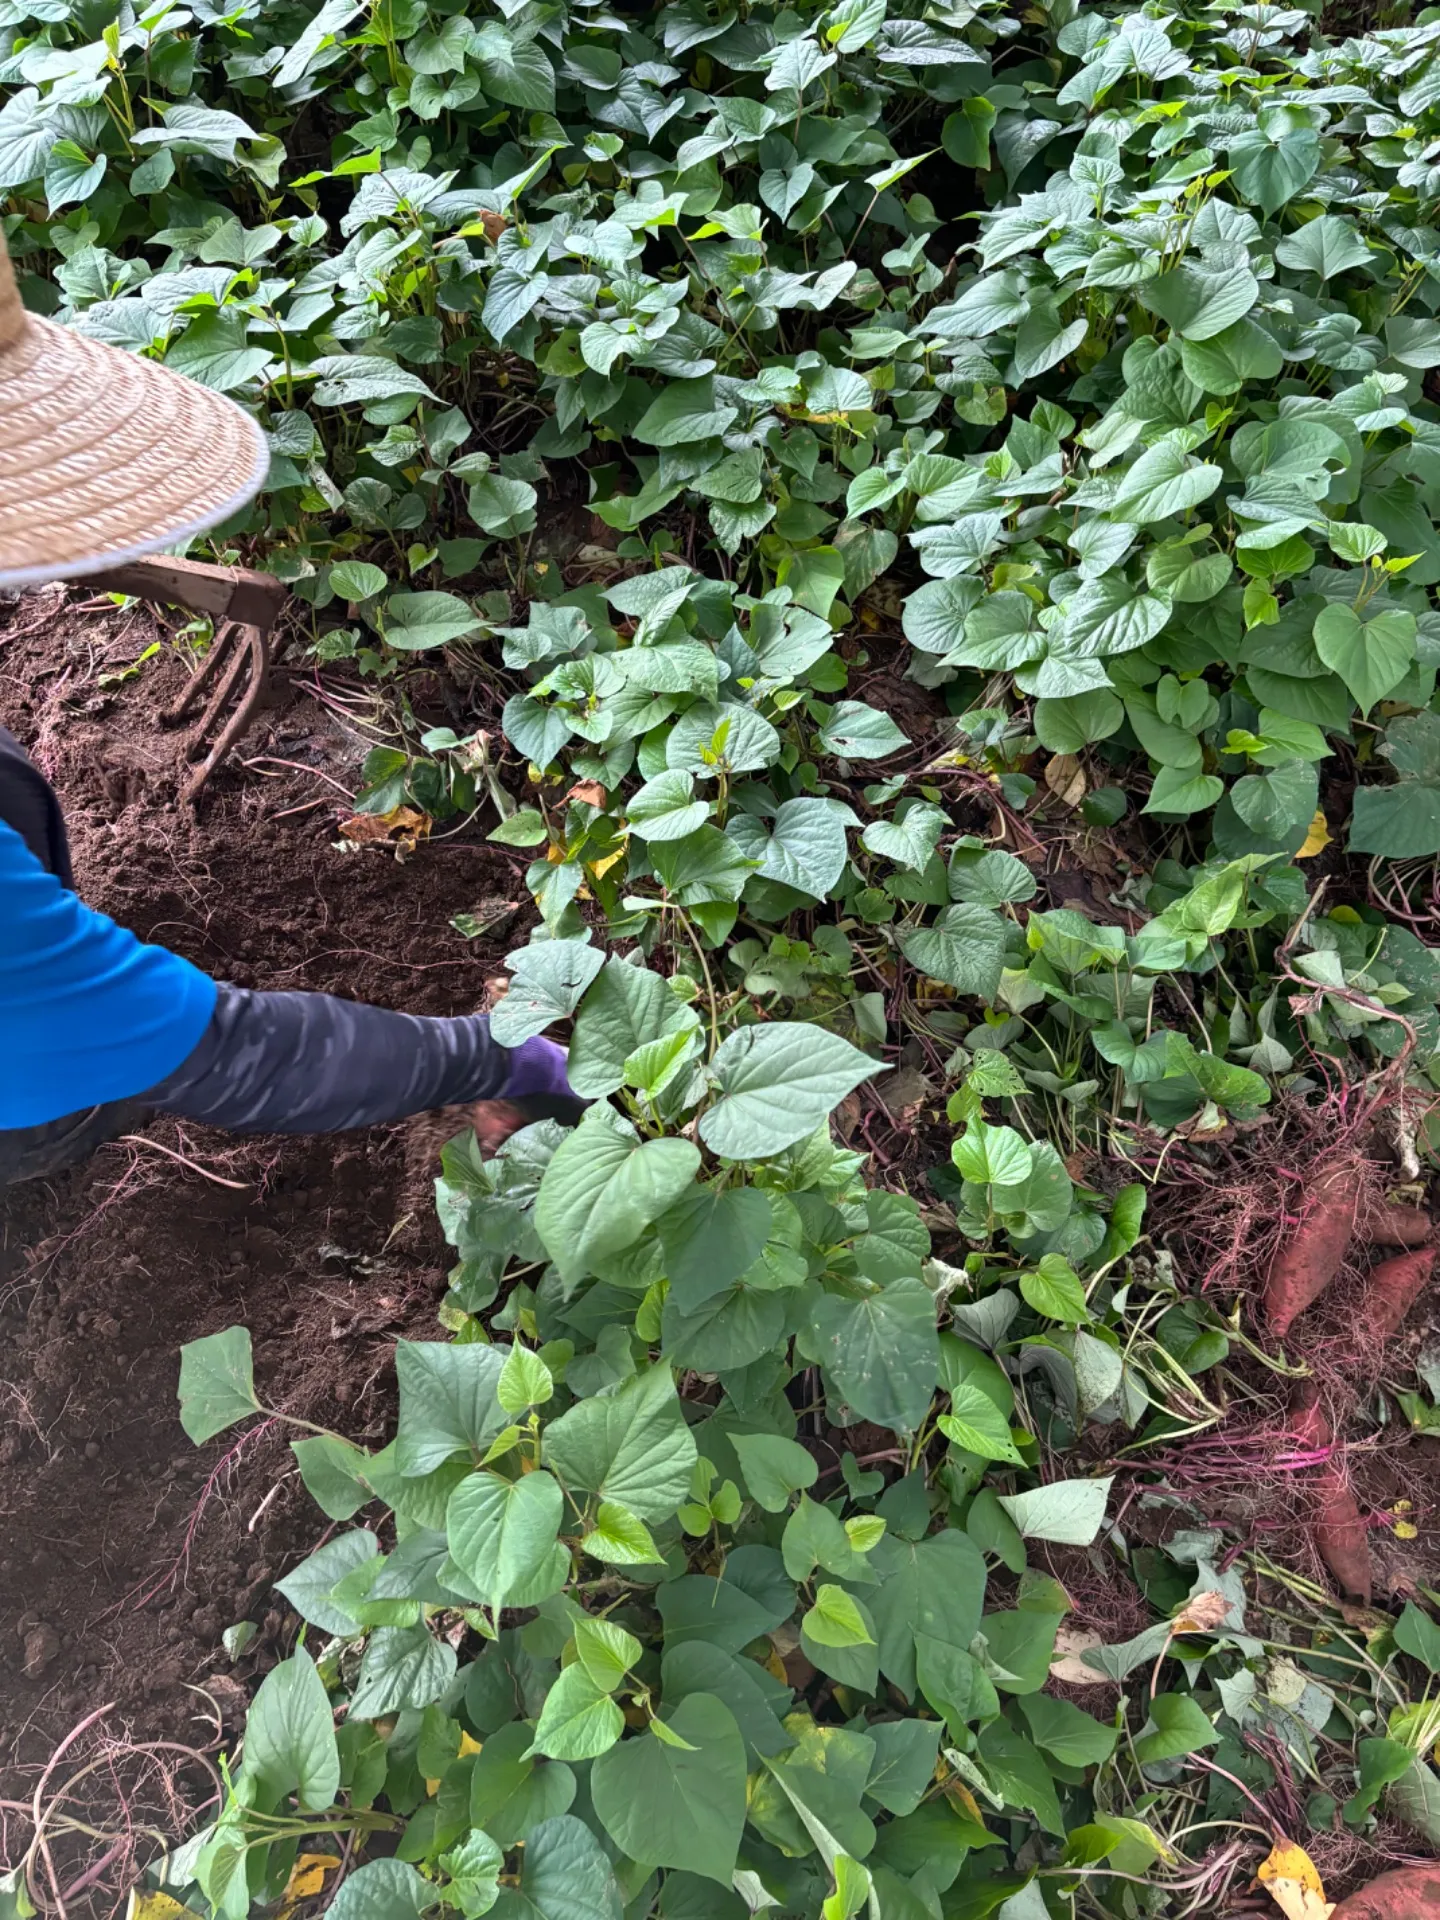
[105, 457]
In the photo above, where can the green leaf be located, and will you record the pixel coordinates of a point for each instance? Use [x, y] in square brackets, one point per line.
[512, 1788]
[1163, 483]
[502, 507]
[777, 1084]
[881, 1351]
[1177, 1725]
[987, 1155]
[1224, 363]
[416, 622]
[525, 1381]
[357, 580]
[834, 1620]
[665, 808]
[965, 135]
[683, 412]
[606, 1651]
[1417, 1634]
[632, 1446]
[975, 1423]
[682, 1807]
[502, 1535]
[1371, 656]
[71, 175]
[474, 1868]
[1180, 790]
[1054, 1289]
[603, 1187]
[448, 1402]
[857, 732]
[774, 1468]
[964, 948]
[991, 879]
[213, 351]
[619, 1537]
[804, 847]
[908, 841]
[217, 1385]
[1070, 1512]
[564, 1875]
[1016, 1771]
[1268, 171]
[711, 1236]
[1065, 1732]
[550, 976]
[814, 576]
[626, 1008]
[290, 1735]
[384, 1890]
[1325, 246]
[1198, 302]
[579, 1720]
[904, 1765]
[1403, 820]
[1414, 1799]
[308, 1587]
[402, 1667]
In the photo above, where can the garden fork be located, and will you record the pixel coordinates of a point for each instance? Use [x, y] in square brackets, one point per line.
[244, 607]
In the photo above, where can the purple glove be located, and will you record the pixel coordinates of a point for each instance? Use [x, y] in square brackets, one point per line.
[537, 1066]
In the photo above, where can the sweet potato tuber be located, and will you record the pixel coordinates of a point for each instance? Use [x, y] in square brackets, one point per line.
[1339, 1532]
[1397, 1226]
[1306, 1263]
[1391, 1289]
[1410, 1893]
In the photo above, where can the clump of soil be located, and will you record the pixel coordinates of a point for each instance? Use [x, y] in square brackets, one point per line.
[124, 1551]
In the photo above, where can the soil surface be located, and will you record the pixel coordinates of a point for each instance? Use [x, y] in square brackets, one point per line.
[125, 1552]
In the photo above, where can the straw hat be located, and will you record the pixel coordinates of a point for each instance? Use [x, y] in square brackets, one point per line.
[105, 456]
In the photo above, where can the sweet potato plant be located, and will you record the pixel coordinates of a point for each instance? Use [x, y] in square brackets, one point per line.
[1072, 362]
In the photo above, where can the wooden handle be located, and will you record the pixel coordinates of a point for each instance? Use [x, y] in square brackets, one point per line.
[225, 593]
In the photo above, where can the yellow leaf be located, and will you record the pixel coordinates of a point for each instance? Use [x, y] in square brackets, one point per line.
[307, 1877]
[1406, 1530]
[1317, 839]
[1289, 1874]
[961, 1798]
[157, 1906]
[601, 867]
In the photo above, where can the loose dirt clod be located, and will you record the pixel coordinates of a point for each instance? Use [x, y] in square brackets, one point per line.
[1309, 1260]
[1392, 1289]
[1410, 1893]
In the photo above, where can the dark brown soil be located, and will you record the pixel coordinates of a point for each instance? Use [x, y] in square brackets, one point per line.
[125, 1552]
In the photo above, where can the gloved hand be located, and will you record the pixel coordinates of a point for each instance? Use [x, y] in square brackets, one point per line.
[537, 1089]
[537, 1066]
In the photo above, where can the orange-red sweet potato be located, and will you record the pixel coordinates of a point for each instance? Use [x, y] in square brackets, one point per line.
[1340, 1534]
[1306, 1263]
[1397, 1226]
[1392, 1288]
[1410, 1893]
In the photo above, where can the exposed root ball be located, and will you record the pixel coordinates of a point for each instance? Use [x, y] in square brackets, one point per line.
[1310, 1258]
[1410, 1893]
[1392, 1289]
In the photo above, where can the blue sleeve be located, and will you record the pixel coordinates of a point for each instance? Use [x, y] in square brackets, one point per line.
[88, 1013]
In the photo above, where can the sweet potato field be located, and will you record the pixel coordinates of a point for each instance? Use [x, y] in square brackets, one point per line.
[912, 529]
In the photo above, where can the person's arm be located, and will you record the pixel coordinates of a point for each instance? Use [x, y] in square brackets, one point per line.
[91, 1015]
[309, 1063]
